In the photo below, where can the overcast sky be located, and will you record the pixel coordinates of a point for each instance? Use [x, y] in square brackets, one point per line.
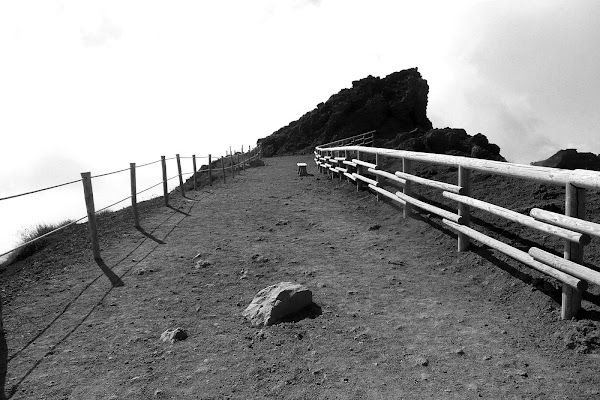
[94, 85]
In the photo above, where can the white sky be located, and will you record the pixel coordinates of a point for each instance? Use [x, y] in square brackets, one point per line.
[94, 85]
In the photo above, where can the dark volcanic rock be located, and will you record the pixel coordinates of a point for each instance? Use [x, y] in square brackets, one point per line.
[451, 141]
[571, 159]
[396, 103]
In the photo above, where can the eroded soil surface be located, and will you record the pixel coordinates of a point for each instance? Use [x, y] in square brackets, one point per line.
[403, 315]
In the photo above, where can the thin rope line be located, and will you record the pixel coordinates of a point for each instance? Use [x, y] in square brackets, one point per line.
[39, 190]
[153, 186]
[110, 173]
[120, 201]
[143, 165]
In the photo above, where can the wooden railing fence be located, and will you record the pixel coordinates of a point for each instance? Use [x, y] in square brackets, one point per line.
[234, 162]
[348, 162]
[364, 139]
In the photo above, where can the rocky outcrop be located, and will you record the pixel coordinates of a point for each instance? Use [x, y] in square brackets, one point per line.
[571, 159]
[395, 107]
[396, 103]
[450, 141]
[276, 302]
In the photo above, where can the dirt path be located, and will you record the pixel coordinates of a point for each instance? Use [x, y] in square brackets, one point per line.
[403, 314]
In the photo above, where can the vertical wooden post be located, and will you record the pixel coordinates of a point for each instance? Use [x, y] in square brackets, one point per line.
[210, 169]
[238, 163]
[378, 163]
[338, 164]
[574, 207]
[223, 167]
[91, 212]
[134, 208]
[407, 168]
[359, 168]
[345, 165]
[231, 161]
[165, 186]
[464, 180]
[194, 165]
[180, 176]
[244, 156]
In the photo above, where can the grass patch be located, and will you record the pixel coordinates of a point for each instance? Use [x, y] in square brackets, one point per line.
[30, 234]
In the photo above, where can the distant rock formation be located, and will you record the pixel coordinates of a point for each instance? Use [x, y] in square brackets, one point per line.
[395, 107]
[571, 159]
[450, 141]
[396, 103]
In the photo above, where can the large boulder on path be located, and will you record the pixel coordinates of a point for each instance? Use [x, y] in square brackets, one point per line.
[276, 302]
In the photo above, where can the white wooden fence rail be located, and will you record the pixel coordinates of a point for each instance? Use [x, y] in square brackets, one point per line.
[348, 161]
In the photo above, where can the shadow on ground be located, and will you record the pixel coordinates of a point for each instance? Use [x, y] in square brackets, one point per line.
[116, 281]
[3, 356]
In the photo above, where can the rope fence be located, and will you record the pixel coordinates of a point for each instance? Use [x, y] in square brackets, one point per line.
[39, 190]
[86, 179]
[110, 173]
[150, 163]
[355, 164]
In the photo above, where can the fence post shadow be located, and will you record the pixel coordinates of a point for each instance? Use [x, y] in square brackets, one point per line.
[149, 235]
[179, 211]
[114, 278]
[3, 356]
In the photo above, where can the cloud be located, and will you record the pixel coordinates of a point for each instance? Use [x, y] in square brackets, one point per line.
[106, 31]
[533, 71]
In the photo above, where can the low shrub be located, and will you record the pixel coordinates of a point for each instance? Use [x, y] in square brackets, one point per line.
[30, 234]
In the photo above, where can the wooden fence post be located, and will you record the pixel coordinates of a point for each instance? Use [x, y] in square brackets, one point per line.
[91, 212]
[223, 167]
[238, 163]
[194, 166]
[379, 164]
[165, 186]
[346, 165]
[180, 176]
[407, 169]
[464, 180]
[359, 168]
[231, 161]
[210, 169]
[339, 164]
[574, 207]
[134, 208]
